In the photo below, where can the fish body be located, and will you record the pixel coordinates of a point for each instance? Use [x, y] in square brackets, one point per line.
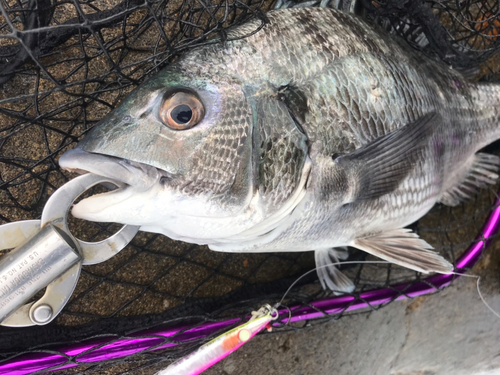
[317, 132]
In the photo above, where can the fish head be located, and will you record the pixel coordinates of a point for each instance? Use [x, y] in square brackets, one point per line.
[188, 152]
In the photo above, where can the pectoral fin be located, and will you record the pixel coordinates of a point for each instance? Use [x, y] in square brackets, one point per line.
[379, 167]
[403, 247]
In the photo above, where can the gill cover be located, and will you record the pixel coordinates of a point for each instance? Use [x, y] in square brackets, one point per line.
[237, 167]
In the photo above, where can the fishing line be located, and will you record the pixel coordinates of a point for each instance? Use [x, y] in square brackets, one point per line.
[328, 265]
[478, 291]
[280, 303]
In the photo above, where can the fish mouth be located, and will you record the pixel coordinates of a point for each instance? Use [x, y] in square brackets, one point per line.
[126, 173]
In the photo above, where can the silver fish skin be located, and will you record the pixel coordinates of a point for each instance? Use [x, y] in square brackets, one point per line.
[320, 131]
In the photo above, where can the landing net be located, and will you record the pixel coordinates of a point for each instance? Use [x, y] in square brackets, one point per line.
[65, 64]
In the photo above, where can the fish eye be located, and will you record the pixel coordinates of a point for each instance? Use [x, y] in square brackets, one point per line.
[181, 111]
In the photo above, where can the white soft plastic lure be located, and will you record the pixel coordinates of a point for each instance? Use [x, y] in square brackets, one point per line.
[220, 347]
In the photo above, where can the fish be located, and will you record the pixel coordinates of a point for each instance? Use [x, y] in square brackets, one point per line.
[316, 133]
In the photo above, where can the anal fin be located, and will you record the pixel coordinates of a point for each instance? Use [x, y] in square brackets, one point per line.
[328, 274]
[482, 171]
[405, 248]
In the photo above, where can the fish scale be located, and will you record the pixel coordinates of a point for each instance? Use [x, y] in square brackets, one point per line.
[319, 131]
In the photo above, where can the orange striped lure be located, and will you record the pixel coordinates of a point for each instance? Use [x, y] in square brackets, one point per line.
[223, 345]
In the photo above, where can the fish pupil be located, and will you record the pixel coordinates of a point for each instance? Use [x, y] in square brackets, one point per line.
[182, 114]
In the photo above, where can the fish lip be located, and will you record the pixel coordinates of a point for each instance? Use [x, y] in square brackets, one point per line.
[81, 162]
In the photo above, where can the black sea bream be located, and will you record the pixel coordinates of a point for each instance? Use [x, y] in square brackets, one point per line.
[315, 133]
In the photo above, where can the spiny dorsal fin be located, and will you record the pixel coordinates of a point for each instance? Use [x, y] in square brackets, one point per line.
[379, 167]
[403, 247]
[483, 171]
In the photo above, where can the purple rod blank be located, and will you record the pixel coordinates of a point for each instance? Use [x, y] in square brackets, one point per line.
[108, 348]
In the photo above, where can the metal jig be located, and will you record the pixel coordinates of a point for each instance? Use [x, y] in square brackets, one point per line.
[223, 345]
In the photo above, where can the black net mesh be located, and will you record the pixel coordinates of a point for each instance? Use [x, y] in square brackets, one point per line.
[66, 64]
[461, 33]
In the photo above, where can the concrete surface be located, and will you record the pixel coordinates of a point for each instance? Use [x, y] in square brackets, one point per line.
[447, 333]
